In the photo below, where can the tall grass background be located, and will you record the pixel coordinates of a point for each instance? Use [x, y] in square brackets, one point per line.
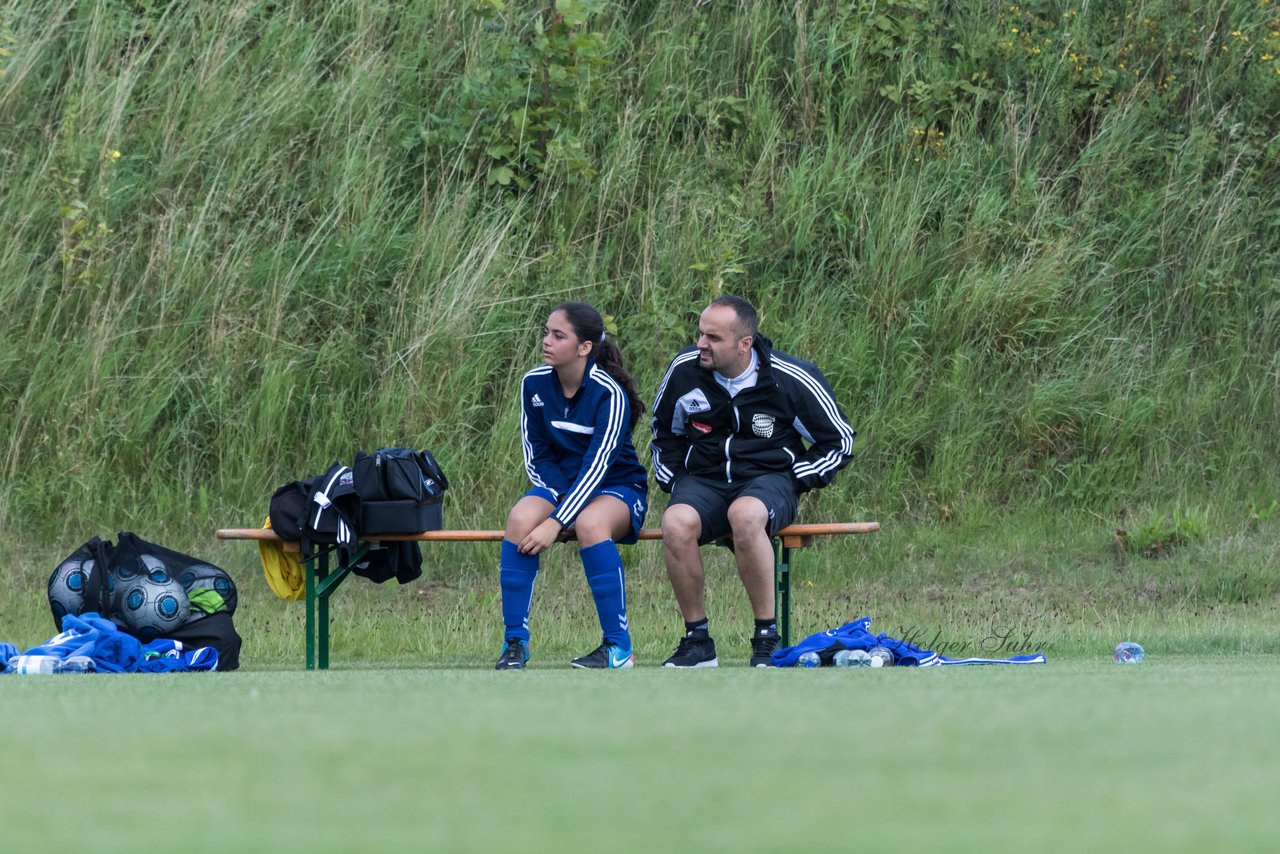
[1033, 246]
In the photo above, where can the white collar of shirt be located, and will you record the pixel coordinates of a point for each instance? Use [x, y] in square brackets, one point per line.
[745, 380]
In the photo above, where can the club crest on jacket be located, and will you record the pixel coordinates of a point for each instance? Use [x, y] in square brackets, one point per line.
[762, 425]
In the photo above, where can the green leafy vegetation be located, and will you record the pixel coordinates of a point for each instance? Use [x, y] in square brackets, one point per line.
[522, 99]
[1158, 535]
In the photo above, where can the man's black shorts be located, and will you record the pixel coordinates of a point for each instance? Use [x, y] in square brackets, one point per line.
[711, 498]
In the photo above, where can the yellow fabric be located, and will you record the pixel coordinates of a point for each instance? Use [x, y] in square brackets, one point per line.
[285, 574]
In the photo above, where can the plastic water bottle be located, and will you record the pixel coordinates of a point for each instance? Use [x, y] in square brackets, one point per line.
[1128, 652]
[76, 664]
[852, 658]
[33, 664]
[881, 656]
[809, 659]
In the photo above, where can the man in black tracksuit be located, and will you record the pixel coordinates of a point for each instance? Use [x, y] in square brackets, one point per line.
[730, 425]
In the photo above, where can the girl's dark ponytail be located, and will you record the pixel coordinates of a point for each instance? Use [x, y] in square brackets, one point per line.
[609, 358]
[588, 325]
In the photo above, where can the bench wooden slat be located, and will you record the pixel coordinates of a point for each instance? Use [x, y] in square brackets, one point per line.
[798, 535]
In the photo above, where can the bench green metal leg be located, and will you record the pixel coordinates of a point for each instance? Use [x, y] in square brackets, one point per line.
[782, 588]
[320, 586]
[322, 617]
[311, 570]
[324, 590]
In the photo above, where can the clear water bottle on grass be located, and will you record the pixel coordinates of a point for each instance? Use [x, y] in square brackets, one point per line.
[1128, 652]
[33, 664]
[852, 658]
[809, 659]
[881, 656]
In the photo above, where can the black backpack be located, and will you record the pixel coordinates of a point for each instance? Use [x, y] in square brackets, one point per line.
[287, 508]
[322, 510]
[332, 507]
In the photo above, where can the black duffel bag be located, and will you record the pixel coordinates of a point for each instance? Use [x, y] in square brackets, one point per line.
[400, 491]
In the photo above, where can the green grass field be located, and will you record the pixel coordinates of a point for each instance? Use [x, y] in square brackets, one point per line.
[1177, 754]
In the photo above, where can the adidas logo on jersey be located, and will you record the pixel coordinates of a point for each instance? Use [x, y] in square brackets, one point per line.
[536, 401]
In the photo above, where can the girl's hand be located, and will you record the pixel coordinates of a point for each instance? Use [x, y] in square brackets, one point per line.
[540, 538]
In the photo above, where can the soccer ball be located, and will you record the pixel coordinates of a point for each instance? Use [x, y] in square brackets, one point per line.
[66, 587]
[150, 607]
[207, 577]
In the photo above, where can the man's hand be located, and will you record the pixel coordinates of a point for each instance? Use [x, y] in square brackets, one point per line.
[540, 538]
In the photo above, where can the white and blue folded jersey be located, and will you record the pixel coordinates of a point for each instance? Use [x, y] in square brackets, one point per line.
[578, 445]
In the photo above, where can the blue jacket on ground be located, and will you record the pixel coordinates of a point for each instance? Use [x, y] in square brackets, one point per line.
[91, 636]
[857, 635]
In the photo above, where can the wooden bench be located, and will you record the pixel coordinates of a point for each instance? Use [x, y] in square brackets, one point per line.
[321, 582]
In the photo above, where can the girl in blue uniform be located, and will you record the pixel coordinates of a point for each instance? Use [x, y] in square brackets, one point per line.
[577, 412]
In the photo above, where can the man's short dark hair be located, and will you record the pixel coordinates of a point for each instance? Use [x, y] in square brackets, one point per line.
[748, 320]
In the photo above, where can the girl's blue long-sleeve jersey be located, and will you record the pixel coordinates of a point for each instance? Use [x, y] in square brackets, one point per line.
[576, 446]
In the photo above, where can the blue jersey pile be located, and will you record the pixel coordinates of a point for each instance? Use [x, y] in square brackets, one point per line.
[857, 635]
[96, 645]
